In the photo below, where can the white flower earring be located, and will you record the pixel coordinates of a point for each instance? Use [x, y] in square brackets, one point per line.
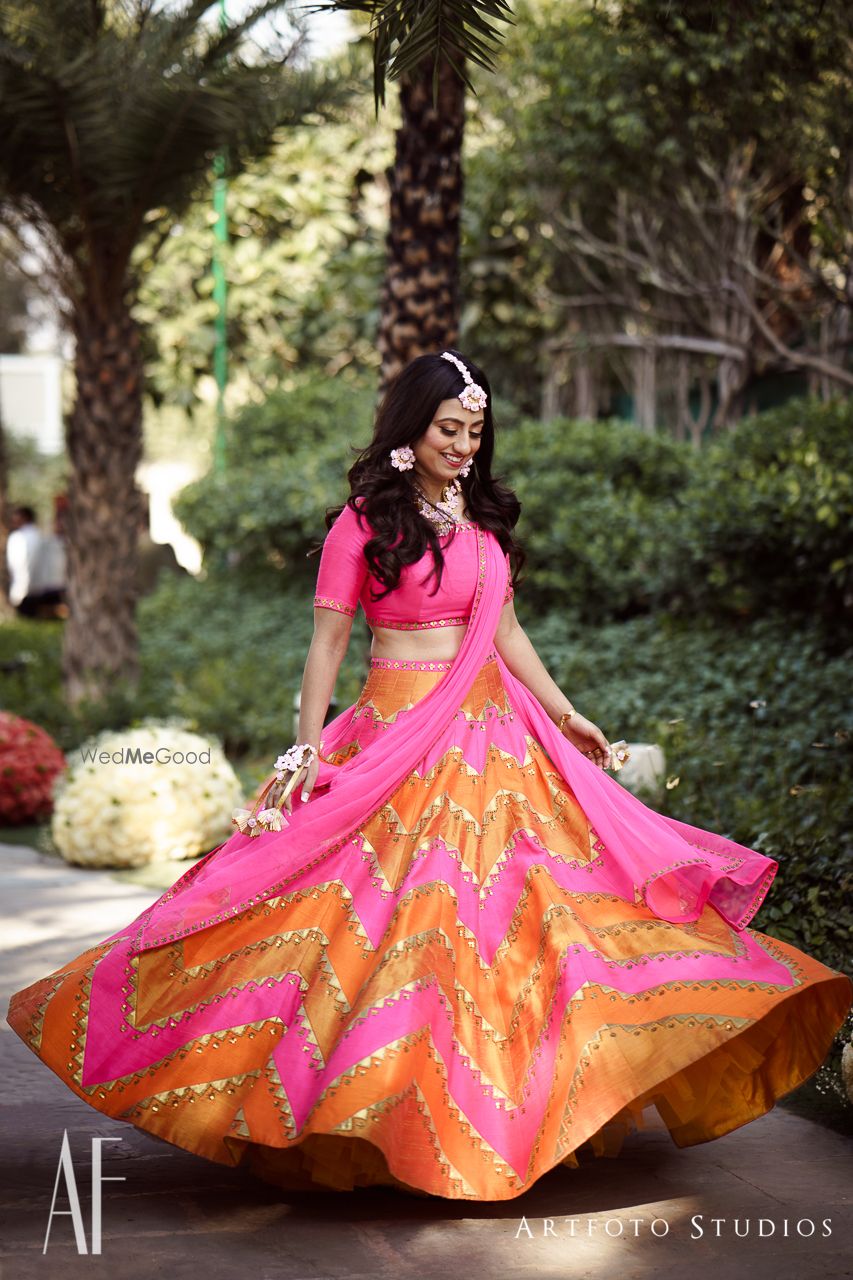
[466, 467]
[403, 459]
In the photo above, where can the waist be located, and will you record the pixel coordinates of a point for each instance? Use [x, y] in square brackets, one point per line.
[434, 644]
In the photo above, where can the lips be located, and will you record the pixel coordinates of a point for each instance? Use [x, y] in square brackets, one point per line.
[451, 462]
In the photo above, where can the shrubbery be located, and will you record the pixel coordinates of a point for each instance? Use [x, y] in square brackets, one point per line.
[770, 515]
[618, 523]
[285, 463]
[600, 501]
[232, 660]
[225, 657]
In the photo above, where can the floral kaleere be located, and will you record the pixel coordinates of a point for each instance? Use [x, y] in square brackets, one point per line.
[294, 758]
[252, 824]
[255, 821]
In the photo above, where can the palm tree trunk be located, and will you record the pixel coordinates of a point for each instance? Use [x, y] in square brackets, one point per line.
[420, 294]
[100, 650]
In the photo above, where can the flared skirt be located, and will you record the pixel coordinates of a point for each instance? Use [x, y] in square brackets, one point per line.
[449, 1002]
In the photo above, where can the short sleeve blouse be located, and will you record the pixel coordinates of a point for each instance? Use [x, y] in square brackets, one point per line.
[344, 579]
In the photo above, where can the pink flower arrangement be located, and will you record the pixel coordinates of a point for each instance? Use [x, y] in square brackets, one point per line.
[29, 762]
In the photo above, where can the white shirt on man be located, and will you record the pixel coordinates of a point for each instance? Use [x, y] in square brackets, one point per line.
[28, 558]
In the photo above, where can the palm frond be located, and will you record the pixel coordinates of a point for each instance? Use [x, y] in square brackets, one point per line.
[124, 115]
[405, 32]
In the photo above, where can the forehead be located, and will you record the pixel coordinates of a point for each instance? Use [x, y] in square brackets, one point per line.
[453, 409]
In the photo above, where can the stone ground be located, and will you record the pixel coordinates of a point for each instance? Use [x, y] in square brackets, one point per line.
[181, 1216]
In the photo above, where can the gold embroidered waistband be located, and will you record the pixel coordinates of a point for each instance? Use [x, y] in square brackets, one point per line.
[459, 620]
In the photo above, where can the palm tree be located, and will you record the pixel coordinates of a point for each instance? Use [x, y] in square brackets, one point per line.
[424, 44]
[110, 115]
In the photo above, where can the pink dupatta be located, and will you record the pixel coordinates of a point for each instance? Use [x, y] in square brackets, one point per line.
[672, 868]
[643, 856]
[247, 869]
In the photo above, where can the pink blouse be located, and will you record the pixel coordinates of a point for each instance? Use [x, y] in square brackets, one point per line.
[344, 580]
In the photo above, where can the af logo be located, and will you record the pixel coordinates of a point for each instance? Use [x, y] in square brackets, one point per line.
[66, 1169]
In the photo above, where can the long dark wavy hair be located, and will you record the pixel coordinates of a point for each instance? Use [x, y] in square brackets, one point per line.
[402, 535]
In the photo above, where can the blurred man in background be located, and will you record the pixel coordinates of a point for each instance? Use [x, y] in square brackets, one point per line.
[36, 565]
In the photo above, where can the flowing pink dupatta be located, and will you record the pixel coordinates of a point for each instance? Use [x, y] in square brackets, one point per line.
[247, 869]
[669, 866]
[643, 856]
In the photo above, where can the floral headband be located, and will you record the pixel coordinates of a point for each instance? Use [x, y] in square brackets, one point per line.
[473, 397]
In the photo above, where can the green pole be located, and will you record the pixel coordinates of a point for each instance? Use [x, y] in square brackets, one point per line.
[220, 293]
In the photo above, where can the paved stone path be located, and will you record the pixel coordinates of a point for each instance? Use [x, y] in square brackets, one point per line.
[181, 1216]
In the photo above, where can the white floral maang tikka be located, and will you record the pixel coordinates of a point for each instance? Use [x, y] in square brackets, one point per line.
[473, 397]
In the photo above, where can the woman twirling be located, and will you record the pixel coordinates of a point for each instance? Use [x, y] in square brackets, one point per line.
[445, 949]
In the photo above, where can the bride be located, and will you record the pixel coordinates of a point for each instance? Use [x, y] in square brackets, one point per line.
[444, 950]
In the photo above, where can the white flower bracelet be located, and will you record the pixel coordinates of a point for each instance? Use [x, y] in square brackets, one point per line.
[294, 758]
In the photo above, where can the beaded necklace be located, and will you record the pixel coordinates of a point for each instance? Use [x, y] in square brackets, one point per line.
[445, 513]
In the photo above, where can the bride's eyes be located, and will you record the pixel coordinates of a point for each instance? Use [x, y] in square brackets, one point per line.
[475, 435]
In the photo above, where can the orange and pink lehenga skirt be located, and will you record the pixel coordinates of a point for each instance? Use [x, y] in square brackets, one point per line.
[450, 1000]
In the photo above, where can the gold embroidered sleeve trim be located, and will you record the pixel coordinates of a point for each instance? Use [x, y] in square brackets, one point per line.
[328, 602]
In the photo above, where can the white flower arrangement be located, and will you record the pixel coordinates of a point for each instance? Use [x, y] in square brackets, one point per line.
[847, 1069]
[142, 795]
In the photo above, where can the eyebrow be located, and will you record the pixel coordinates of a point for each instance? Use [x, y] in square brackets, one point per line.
[448, 418]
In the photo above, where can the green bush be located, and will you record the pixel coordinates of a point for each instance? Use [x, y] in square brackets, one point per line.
[30, 680]
[228, 660]
[770, 514]
[599, 503]
[616, 522]
[619, 523]
[232, 660]
[285, 462]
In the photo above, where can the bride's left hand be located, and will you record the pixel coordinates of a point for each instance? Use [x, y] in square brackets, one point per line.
[589, 739]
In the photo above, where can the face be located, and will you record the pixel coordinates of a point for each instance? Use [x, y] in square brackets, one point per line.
[451, 438]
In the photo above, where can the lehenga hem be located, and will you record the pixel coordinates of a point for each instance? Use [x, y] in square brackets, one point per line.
[716, 1090]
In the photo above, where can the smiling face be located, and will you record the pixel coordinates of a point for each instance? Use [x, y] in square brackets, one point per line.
[451, 438]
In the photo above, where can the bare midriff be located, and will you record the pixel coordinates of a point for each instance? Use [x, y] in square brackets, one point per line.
[430, 644]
